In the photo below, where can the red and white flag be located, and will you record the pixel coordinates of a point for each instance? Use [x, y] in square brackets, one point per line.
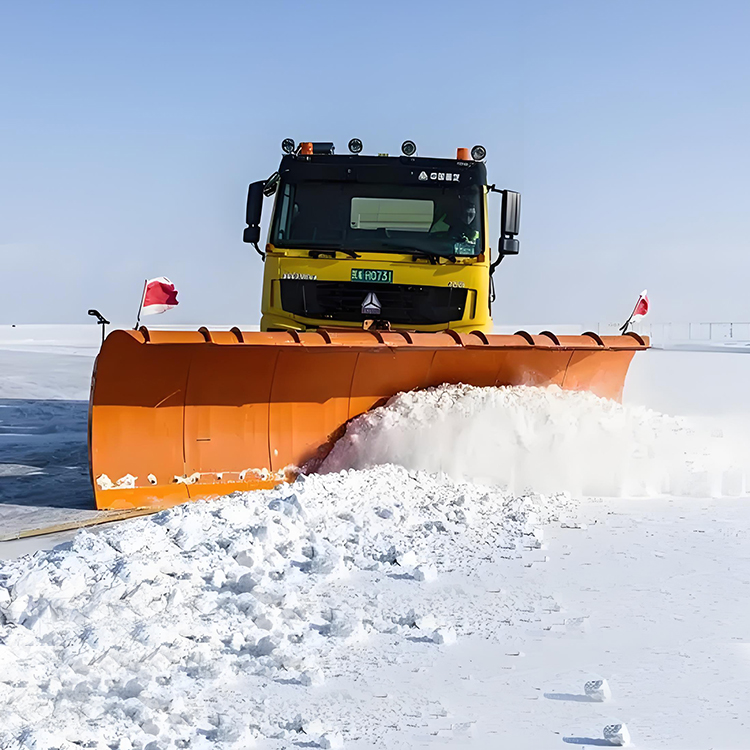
[159, 295]
[641, 307]
[639, 311]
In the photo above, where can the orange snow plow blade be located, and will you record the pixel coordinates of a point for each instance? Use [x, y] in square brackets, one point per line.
[177, 415]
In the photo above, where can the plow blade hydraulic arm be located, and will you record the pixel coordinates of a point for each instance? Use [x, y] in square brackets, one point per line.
[177, 415]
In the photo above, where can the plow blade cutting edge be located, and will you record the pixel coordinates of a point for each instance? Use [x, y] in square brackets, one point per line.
[177, 415]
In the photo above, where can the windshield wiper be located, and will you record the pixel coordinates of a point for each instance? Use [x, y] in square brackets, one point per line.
[434, 257]
[324, 249]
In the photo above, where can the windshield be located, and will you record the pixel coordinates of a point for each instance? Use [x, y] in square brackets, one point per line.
[379, 218]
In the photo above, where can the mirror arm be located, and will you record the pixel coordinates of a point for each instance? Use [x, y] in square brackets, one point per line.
[270, 185]
[494, 189]
[259, 251]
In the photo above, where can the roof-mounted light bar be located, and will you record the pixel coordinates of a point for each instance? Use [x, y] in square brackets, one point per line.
[408, 148]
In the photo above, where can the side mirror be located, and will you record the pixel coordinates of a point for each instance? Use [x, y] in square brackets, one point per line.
[253, 212]
[251, 235]
[508, 246]
[511, 213]
[510, 220]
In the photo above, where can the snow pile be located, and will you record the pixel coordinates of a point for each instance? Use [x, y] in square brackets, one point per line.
[217, 622]
[542, 438]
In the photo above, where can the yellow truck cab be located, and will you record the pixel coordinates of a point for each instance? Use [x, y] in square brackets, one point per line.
[397, 242]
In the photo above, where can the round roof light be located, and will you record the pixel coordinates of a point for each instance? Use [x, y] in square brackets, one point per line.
[478, 153]
[287, 146]
[408, 148]
[355, 145]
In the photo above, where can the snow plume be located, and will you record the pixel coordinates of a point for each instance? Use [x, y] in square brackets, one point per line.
[214, 624]
[545, 439]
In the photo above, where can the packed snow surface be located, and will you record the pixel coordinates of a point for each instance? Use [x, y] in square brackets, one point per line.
[544, 439]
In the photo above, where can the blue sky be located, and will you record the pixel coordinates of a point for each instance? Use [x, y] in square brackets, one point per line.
[129, 132]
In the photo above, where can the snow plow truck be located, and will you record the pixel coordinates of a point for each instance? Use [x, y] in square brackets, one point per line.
[377, 279]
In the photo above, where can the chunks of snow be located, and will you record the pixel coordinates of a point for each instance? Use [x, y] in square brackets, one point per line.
[104, 482]
[140, 626]
[425, 572]
[332, 740]
[408, 559]
[246, 583]
[313, 677]
[126, 482]
[617, 734]
[444, 636]
[598, 690]
[245, 558]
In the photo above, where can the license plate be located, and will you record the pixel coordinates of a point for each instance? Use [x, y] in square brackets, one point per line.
[372, 276]
[464, 248]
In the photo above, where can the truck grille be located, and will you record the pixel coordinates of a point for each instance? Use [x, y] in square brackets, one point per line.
[400, 303]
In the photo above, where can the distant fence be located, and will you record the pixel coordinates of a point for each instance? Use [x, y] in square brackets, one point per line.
[674, 332]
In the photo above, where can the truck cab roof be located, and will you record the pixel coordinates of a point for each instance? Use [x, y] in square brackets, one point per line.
[402, 170]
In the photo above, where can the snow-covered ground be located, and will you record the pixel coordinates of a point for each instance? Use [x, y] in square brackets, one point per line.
[460, 599]
[44, 383]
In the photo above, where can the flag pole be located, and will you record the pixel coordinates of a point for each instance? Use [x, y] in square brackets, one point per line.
[627, 322]
[635, 307]
[140, 307]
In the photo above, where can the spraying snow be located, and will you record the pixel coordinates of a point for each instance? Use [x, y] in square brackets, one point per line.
[542, 438]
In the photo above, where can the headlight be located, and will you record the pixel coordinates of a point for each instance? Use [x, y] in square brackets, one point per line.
[408, 148]
[287, 146]
[478, 153]
[355, 145]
